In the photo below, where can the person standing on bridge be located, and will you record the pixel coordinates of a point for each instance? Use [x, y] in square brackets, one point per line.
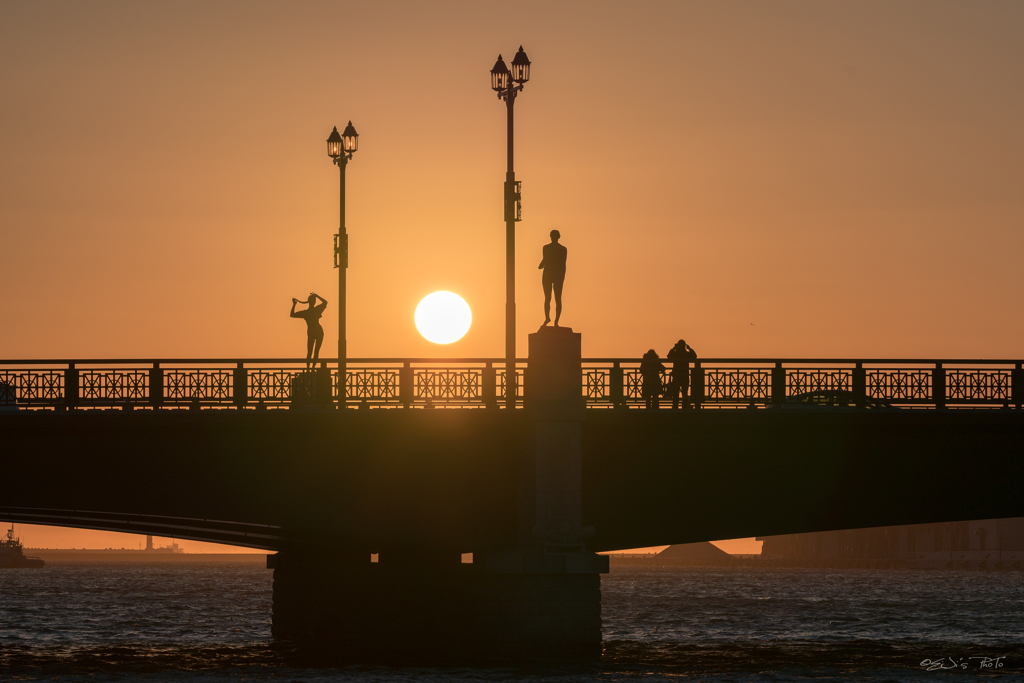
[553, 265]
[314, 333]
[680, 355]
[650, 372]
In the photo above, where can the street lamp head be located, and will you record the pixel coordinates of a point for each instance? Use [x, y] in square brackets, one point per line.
[350, 138]
[520, 67]
[334, 144]
[499, 75]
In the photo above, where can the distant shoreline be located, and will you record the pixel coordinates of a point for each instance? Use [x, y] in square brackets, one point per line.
[60, 556]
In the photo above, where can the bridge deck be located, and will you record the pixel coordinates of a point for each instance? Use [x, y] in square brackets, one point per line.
[386, 479]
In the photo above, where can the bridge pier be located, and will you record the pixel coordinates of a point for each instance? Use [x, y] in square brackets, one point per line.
[541, 599]
[429, 612]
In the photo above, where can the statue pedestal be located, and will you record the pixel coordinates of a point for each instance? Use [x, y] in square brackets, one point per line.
[551, 544]
[554, 403]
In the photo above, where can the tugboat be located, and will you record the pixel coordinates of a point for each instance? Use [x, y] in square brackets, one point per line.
[11, 554]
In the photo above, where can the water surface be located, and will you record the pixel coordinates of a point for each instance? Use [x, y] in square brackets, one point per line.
[200, 621]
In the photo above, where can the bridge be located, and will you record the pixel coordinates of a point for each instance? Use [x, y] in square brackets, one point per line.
[426, 463]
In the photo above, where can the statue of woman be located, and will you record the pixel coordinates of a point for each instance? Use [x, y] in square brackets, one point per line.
[314, 333]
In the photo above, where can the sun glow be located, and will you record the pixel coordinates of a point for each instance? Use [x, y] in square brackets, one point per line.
[443, 317]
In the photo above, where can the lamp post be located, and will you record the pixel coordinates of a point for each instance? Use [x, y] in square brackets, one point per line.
[508, 84]
[341, 148]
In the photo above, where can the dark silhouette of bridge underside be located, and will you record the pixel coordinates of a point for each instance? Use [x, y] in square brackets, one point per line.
[376, 481]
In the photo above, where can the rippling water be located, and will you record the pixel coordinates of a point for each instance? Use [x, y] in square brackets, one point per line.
[201, 622]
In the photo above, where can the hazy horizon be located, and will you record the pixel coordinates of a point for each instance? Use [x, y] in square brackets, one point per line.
[99, 540]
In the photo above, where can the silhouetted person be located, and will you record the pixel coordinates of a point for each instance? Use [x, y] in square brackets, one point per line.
[650, 370]
[314, 333]
[553, 264]
[680, 355]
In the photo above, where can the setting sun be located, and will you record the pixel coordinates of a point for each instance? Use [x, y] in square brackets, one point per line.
[443, 317]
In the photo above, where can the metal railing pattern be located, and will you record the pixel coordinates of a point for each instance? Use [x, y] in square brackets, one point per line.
[481, 383]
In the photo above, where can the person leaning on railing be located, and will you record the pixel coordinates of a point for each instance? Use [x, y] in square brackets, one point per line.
[650, 370]
[680, 355]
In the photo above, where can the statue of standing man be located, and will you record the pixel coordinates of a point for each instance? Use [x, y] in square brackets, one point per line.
[553, 265]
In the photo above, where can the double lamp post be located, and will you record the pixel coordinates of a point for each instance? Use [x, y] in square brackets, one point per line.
[508, 83]
[341, 148]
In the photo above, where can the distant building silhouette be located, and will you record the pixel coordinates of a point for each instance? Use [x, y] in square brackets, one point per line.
[702, 554]
[978, 544]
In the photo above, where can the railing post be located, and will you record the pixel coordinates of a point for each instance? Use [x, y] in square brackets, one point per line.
[240, 386]
[490, 386]
[71, 386]
[778, 384]
[156, 386]
[1017, 385]
[323, 385]
[860, 386]
[615, 388]
[342, 384]
[512, 385]
[939, 386]
[696, 385]
[405, 385]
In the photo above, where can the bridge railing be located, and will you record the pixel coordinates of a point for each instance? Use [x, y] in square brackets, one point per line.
[481, 383]
[254, 383]
[758, 383]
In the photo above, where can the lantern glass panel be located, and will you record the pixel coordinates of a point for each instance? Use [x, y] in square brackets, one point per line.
[350, 138]
[499, 75]
[521, 67]
[499, 80]
[334, 149]
[520, 73]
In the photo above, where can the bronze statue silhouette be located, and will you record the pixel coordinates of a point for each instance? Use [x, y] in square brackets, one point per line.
[314, 333]
[680, 355]
[553, 265]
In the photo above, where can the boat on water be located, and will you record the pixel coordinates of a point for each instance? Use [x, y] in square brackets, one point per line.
[12, 556]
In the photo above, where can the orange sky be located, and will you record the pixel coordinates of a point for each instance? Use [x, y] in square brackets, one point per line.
[772, 178]
[55, 537]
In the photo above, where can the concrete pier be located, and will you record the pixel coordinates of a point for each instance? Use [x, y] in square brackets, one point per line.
[428, 613]
[540, 599]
